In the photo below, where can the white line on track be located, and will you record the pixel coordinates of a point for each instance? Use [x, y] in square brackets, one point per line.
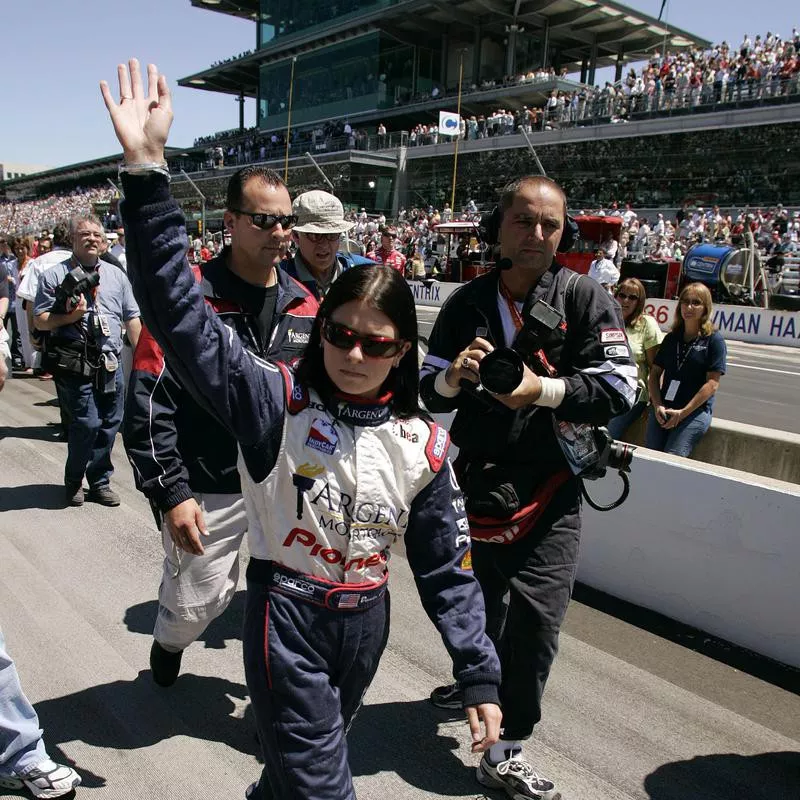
[763, 369]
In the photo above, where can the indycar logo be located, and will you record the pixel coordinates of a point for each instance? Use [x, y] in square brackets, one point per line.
[322, 437]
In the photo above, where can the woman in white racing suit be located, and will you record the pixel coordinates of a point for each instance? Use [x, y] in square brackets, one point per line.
[337, 463]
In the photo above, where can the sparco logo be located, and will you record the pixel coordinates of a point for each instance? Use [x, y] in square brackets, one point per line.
[295, 337]
[293, 584]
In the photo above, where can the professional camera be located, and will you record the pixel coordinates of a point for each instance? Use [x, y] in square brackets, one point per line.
[588, 449]
[76, 282]
[501, 370]
[612, 455]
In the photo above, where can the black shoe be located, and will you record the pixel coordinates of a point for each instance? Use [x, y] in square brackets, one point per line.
[164, 665]
[104, 495]
[74, 494]
[449, 696]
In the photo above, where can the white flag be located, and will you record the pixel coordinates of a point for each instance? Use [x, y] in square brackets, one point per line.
[449, 123]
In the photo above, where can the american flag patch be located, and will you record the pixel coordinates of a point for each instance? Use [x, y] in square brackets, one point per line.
[349, 600]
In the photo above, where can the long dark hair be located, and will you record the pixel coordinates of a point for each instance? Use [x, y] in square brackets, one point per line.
[386, 290]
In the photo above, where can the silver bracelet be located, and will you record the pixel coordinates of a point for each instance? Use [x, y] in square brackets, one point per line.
[145, 167]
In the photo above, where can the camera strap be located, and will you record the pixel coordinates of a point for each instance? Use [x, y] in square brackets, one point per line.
[516, 318]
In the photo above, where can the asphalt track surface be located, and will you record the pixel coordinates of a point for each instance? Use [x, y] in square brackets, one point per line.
[636, 707]
[761, 387]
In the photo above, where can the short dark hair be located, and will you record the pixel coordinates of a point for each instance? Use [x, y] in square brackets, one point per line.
[61, 237]
[233, 198]
[511, 190]
[386, 290]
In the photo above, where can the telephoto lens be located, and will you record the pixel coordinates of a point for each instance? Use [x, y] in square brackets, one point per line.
[501, 371]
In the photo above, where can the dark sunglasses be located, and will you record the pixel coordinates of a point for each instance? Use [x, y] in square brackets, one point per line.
[267, 221]
[624, 296]
[344, 338]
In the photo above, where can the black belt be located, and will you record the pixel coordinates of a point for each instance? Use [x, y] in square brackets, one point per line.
[328, 594]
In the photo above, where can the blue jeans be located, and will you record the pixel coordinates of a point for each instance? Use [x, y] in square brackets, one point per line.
[679, 441]
[95, 418]
[21, 745]
[618, 425]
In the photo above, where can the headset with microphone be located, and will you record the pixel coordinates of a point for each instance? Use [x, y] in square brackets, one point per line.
[489, 229]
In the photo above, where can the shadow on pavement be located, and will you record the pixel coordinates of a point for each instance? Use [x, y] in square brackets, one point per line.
[142, 617]
[405, 738]
[727, 776]
[39, 433]
[759, 666]
[34, 495]
[128, 715]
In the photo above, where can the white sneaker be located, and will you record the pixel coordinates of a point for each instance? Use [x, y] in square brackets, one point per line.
[518, 778]
[46, 779]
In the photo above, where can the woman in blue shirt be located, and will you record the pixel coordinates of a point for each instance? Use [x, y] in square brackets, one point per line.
[685, 376]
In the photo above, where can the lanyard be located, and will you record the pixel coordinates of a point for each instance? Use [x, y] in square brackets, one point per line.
[689, 347]
[516, 317]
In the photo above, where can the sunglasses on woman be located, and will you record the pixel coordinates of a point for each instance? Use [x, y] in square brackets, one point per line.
[345, 338]
[625, 296]
[267, 221]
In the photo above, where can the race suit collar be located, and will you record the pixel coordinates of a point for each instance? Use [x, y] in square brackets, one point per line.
[366, 412]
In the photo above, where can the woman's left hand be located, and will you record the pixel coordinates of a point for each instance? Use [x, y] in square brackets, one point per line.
[674, 418]
[491, 715]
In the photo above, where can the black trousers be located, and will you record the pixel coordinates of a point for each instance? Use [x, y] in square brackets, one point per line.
[307, 670]
[527, 586]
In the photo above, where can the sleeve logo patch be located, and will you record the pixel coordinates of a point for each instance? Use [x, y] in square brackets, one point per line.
[617, 351]
[612, 335]
[466, 562]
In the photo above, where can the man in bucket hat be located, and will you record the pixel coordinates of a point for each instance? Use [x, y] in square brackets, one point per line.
[319, 228]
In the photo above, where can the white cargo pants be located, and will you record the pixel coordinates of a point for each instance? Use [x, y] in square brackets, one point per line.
[195, 590]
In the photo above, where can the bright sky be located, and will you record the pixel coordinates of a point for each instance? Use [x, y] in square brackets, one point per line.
[53, 53]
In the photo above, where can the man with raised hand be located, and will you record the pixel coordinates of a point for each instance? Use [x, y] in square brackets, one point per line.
[184, 461]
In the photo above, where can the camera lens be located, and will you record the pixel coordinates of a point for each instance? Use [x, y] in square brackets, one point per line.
[620, 455]
[501, 371]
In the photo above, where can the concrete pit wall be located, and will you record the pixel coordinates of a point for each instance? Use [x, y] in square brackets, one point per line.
[714, 548]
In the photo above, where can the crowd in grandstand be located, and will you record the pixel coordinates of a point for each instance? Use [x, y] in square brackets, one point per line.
[761, 68]
[32, 216]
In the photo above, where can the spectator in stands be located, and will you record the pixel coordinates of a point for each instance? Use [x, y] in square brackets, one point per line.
[386, 253]
[685, 376]
[317, 233]
[25, 763]
[603, 270]
[644, 338]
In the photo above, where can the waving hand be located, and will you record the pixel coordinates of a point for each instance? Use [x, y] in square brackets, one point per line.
[141, 119]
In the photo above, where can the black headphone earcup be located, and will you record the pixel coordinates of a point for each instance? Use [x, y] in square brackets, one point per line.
[569, 235]
[489, 226]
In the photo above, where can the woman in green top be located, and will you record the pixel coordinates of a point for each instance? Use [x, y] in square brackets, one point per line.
[644, 338]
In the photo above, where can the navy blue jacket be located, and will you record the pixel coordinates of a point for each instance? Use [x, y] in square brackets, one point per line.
[176, 447]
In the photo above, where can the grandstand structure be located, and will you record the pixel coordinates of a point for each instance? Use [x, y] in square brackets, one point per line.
[398, 62]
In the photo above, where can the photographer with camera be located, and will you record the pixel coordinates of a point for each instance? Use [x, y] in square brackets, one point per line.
[82, 305]
[570, 364]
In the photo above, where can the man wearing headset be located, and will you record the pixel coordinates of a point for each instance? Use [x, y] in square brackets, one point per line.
[522, 499]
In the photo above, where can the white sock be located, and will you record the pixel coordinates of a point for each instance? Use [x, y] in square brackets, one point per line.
[502, 751]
